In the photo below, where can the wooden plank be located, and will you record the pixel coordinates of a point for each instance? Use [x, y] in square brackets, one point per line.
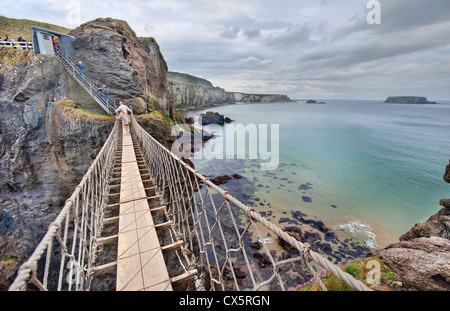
[108, 240]
[185, 276]
[140, 260]
[172, 247]
[107, 268]
[164, 226]
[112, 220]
[159, 209]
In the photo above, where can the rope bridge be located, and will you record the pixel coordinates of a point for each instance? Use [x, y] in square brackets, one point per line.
[206, 234]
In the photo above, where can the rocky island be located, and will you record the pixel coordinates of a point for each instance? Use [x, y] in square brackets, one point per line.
[408, 100]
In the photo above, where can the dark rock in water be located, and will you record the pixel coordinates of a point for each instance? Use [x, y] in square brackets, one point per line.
[306, 186]
[256, 245]
[212, 118]
[220, 180]
[189, 120]
[241, 272]
[311, 101]
[288, 220]
[306, 199]
[263, 259]
[333, 206]
[228, 120]
[237, 176]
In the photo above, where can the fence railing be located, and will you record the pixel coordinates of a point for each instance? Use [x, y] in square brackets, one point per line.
[18, 45]
[65, 257]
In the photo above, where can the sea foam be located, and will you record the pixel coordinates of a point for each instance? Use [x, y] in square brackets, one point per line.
[360, 231]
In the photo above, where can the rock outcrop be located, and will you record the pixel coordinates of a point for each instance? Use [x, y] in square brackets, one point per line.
[423, 254]
[408, 100]
[187, 91]
[424, 262]
[133, 68]
[46, 147]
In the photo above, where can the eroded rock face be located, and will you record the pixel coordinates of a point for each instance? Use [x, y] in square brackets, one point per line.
[132, 68]
[425, 262]
[44, 152]
[437, 225]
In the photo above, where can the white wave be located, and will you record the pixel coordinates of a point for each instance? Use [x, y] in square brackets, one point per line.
[360, 231]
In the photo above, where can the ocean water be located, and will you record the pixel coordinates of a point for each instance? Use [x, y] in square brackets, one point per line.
[368, 170]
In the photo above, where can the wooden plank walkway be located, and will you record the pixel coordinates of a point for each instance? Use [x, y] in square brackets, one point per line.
[140, 262]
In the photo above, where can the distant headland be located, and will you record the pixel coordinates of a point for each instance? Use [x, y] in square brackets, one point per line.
[408, 100]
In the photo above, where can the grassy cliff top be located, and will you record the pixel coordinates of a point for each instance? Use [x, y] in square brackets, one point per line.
[22, 27]
[184, 78]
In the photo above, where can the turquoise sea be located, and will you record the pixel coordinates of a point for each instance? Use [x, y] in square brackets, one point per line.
[367, 169]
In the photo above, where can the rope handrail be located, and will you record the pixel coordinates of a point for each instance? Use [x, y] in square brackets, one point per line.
[217, 231]
[183, 184]
[79, 222]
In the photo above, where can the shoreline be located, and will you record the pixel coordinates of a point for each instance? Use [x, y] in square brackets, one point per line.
[284, 214]
[183, 111]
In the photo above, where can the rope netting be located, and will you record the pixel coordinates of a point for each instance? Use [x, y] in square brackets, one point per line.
[223, 238]
[221, 233]
[66, 256]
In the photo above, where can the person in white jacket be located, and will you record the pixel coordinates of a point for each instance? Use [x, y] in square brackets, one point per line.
[123, 115]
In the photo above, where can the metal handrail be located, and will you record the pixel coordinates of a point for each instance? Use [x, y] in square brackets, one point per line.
[18, 45]
[87, 82]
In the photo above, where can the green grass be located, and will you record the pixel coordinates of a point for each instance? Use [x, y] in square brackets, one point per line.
[9, 260]
[360, 270]
[22, 27]
[68, 106]
[10, 57]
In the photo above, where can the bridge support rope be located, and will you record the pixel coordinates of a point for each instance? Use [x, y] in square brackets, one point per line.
[212, 229]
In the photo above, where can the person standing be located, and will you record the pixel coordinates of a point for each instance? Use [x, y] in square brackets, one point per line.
[123, 115]
[105, 92]
[98, 86]
[82, 68]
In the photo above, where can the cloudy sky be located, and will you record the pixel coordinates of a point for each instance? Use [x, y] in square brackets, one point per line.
[321, 49]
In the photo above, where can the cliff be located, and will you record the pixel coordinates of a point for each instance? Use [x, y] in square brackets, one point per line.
[408, 100]
[51, 131]
[132, 67]
[45, 149]
[422, 256]
[188, 91]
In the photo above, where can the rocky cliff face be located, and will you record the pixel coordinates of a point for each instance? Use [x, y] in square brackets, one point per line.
[423, 254]
[45, 150]
[188, 91]
[133, 68]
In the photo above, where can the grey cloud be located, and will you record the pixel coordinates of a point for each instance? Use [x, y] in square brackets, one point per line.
[230, 32]
[291, 36]
[252, 34]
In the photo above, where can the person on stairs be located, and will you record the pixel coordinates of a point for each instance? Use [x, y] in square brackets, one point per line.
[123, 115]
[105, 92]
[82, 68]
